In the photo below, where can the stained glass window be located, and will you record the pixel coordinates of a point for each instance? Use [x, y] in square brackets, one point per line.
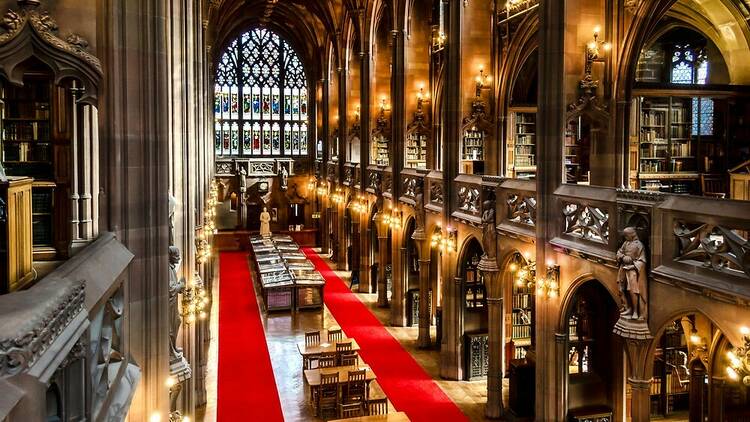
[690, 66]
[260, 88]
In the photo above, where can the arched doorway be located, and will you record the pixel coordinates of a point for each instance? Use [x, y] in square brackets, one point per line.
[592, 350]
[473, 302]
[689, 380]
[519, 314]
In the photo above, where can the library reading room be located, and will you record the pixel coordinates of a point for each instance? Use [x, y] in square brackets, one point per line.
[374, 210]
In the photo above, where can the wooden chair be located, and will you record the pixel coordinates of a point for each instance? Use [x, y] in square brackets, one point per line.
[355, 389]
[335, 334]
[341, 349]
[712, 185]
[349, 359]
[377, 406]
[312, 338]
[327, 360]
[328, 393]
[351, 410]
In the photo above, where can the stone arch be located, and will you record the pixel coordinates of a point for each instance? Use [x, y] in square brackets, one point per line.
[570, 293]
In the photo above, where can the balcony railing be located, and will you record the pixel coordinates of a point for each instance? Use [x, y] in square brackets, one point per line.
[434, 191]
[412, 180]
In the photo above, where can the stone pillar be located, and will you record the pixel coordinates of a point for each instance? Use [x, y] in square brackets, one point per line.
[637, 341]
[716, 399]
[423, 249]
[494, 407]
[640, 399]
[383, 256]
[559, 371]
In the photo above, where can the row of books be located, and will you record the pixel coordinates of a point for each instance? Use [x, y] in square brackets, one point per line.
[521, 331]
[522, 301]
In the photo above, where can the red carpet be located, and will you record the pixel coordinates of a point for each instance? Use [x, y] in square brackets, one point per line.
[406, 384]
[247, 388]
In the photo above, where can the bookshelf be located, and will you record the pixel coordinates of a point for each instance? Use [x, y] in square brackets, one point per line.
[522, 144]
[575, 153]
[28, 150]
[380, 150]
[670, 385]
[416, 149]
[521, 320]
[674, 148]
[472, 152]
[474, 289]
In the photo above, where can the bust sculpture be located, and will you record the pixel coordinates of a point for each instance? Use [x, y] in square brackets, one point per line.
[631, 277]
[265, 223]
[176, 286]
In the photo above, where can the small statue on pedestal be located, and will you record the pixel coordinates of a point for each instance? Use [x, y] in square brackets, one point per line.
[631, 276]
[176, 286]
[488, 262]
[265, 223]
[419, 215]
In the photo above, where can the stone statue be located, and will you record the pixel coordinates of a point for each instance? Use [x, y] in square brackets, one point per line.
[265, 223]
[176, 286]
[243, 179]
[172, 209]
[284, 176]
[419, 214]
[631, 276]
[489, 235]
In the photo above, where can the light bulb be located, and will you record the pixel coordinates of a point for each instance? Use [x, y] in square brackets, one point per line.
[732, 374]
[170, 381]
[744, 330]
[597, 29]
[155, 417]
[513, 267]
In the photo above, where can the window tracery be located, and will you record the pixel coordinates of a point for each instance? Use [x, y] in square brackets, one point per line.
[260, 98]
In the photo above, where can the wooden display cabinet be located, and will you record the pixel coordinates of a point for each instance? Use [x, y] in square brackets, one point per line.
[16, 256]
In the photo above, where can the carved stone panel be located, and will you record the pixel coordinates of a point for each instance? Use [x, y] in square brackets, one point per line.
[586, 222]
[436, 193]
[522, 209]
[712, 246]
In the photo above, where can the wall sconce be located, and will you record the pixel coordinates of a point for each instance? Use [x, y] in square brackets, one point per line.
[739, 360]
[392, 218]
[526, 276]
[202, 246]
[356, 113]
[322, 189]
[444, 241]
[438, 40]
[338, 196]
[481, 80]
[194, 301]
[421, 98]
[594, 50]
[383, 105]
[549, 286]
[311, 184]
[359, 205]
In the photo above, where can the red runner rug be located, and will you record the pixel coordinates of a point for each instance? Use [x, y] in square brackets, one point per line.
[246, 385]
[404, 381]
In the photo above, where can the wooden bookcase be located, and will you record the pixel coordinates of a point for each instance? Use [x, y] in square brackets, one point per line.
[474, 289]
[521, 320]
[575, 153]
[522, 143]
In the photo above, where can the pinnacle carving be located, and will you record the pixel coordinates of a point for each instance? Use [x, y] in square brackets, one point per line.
[45, 26]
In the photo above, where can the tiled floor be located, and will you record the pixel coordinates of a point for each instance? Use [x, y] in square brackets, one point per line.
[284, 330]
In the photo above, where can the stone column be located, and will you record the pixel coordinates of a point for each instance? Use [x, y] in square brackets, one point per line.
[640, 399]
[423, 250]
[559, 370]
[716, 399]
[494, 407]
[383, 257]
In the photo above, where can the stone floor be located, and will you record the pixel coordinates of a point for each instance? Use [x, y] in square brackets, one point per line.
[284, 330]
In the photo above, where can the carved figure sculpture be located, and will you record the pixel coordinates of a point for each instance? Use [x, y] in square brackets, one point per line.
[419, 214]
[284, 176]
[489, 235]
[265, 223]
[243, 179]
[631, 276]
[176, 286]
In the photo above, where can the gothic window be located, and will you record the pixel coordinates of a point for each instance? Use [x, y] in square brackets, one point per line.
[260, 88]
[690, 66]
